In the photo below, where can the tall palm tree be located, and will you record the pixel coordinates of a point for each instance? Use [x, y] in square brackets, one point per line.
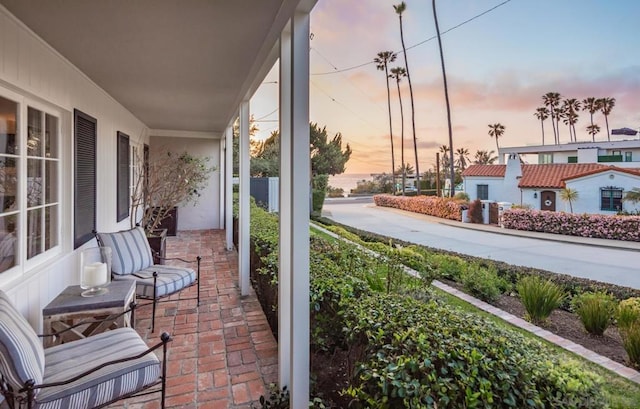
[552, 100]
[483, 157]
[559, 113]
[382, 63]
[592, 105]
[496, 131]
[571, 106]
[593, 130]
[445, 158]
[463, 158]
[606, 105]
[397, 74]
[446, 98]
[569, 195]
[542, 114]
[400, 8]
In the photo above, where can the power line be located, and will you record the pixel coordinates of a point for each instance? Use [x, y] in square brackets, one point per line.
[267, 115]
[336, 70]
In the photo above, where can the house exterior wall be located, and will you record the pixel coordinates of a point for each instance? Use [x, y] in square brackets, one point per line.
[205, 213]
[495, 185]
[38, 75]
[588, 189]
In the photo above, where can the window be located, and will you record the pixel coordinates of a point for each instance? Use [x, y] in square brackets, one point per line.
[85, 178]
[545, 158]
[611, 199]
[628, 156]
[123, 177]
[29, 181]
[483, 192]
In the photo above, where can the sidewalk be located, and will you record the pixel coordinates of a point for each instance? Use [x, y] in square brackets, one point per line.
[493, 228]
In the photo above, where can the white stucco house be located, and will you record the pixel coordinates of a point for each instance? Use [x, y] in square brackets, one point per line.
[87, 87]
[600, 187]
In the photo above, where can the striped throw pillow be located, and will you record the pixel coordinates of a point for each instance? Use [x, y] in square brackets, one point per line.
[130, 251]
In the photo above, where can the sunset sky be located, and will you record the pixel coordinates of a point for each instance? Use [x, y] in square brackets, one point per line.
[498, 67]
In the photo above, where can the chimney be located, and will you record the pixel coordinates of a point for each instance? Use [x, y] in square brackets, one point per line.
[512, 175]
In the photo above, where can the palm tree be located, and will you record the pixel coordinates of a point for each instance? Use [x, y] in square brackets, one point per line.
[446, 98]
[496, 131]
[558, 114]
[542, 114]
[398, 73]
[552, 100]
[571, 107]
[569, 195]
[405, 168]
[483, 157]
[593, 130]
[382, 63]
[592, 105]
[632, 195]
[400, 8]
[606, 105]
[445, 160]
[463, 158]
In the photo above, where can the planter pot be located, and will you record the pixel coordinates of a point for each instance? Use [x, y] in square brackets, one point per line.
[157, 241]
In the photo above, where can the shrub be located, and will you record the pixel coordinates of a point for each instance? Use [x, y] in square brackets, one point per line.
[483, 282]
[595, 309]
[539, 297]
[628, 312]
[445, 208]
[629, 326]
[462, 197]
[475, 211]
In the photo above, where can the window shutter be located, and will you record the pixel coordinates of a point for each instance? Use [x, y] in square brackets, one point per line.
[123, 176]
[85, 128]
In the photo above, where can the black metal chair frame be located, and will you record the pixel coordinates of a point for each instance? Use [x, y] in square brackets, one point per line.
[24, 397]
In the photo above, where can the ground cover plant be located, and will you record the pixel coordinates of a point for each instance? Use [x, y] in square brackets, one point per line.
[398, 346]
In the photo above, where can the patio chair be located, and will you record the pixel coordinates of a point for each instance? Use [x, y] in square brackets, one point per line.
[132, 259]
[85, 374]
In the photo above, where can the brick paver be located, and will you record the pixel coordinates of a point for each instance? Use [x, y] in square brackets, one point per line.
[223, 354]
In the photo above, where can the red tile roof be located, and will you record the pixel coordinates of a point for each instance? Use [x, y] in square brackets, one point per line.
[551, 176]
[485, 170]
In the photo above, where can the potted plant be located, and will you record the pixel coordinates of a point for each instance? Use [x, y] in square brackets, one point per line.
[168, 180]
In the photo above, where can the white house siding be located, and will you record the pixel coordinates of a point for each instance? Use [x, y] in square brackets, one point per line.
[36, 72]
[496, 186]
[206, 213]
[589, 191]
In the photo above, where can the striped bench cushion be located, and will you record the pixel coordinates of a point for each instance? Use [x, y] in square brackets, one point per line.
[130, 250]
[111, 382]
[21, 353]
[170, 280]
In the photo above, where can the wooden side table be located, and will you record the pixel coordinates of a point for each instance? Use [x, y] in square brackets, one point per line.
[69, 308]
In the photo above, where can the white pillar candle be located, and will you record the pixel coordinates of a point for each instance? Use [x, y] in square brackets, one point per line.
[95, 274]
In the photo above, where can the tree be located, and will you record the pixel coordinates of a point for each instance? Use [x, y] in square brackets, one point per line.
[463, 158]
[265, 160]
[496, 131]
[253, 129]
[552, 100]
[400, 8]
[542, 114]
[407, 169]
[559, 113]
[327, 155]
[593, 130]
[446, 98]
[483, 157]
[592, 105]
[397, 73]
[571, 107]
[632, 195]
[445, 158]
[606, 105]
[382, 63]
[569, 195]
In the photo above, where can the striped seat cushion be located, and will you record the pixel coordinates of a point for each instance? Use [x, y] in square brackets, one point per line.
[130, 250]
[111, 382]
[170, 280]
[21, 353]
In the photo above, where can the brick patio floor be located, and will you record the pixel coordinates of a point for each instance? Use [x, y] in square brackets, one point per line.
[223, 354]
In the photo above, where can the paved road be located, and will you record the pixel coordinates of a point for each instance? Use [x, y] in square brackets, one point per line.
[608, 264]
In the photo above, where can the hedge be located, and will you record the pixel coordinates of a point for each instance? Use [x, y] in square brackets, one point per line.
[433, 206]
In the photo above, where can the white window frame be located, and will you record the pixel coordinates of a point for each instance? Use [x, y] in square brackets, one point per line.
[24, 265]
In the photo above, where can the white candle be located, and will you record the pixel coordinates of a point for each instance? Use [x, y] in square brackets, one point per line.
[95, 274]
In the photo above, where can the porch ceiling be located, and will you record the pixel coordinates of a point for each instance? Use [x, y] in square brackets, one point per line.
[177, 65]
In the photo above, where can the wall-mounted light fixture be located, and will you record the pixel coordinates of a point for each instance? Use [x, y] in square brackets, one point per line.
[535, 195]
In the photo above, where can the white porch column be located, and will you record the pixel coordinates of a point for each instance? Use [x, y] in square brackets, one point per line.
[221, 183]
[293, 301]
[243, 239]
[228, 186]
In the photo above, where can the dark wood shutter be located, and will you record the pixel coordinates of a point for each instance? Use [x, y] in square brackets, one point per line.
[123, 177]
[85, 128]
